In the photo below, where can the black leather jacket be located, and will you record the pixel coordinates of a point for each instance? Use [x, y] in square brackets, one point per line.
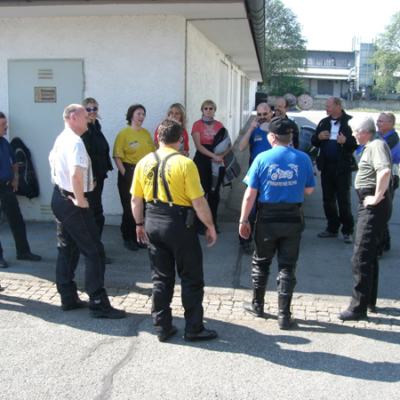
[98, 149]
[345, 158]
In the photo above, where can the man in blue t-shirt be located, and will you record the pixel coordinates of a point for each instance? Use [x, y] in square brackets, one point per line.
[8, 200]
[281, 176]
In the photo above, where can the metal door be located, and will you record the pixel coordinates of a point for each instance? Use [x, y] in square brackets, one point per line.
[38, 92]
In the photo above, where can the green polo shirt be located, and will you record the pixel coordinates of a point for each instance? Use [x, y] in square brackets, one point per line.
[375, 157]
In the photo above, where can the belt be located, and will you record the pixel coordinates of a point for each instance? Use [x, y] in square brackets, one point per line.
[364, 192]
[4, 183]
[278, 206]
[167, 207]
[280, 212]
[65, 193]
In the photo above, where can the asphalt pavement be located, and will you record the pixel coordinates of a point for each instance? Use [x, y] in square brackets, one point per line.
[46, 353]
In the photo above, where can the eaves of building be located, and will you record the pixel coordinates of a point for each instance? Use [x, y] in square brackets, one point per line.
[237, 27]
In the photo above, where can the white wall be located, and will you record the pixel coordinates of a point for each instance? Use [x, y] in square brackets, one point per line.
[126, 60]
[203, 71]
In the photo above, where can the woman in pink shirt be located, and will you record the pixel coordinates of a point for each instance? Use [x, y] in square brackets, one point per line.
[203, 133]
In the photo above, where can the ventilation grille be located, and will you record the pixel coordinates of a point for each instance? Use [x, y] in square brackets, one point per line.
[45, 74]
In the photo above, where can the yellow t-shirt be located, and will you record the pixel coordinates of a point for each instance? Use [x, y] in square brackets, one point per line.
[181, 173]
[131, 146]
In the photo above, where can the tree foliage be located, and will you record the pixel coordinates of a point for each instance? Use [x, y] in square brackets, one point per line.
[387, 58]
[285, 50]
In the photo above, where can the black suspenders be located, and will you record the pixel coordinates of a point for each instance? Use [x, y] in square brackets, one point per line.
[163, 178]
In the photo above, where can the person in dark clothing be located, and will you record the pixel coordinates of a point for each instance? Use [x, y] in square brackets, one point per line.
[336, 162]
[281, 176]
[280, 110]
[98, 149]
[77, 232]
[385, 124]
[375, 195]
[170, 184]
[8, 200]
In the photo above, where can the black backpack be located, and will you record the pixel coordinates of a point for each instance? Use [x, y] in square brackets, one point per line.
[28, 184]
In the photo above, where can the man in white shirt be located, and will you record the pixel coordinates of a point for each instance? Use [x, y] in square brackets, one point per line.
[77, 232]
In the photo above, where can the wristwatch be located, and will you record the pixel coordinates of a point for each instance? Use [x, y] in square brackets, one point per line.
[16, 176]
[140, 224]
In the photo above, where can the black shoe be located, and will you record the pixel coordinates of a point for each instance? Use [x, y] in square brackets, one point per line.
[141, 245]
[348, 315]
[3, 263]
[205, 334]
[164, 335]
[107, 260]
[372, 309]
[131, 245]
[257, 311]
[100, 307]
[327, 234]
[347, 238]
[72, 306]
[29, 256]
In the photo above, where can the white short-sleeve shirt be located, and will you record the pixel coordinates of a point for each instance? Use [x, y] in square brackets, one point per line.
[69, 151]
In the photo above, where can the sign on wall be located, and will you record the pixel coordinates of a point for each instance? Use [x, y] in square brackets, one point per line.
[45, 95]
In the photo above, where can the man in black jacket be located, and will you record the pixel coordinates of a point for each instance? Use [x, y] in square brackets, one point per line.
[280, 110]
[336, 162]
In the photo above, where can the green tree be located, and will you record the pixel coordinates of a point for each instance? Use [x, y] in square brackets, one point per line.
[284, 49]
[387, 58]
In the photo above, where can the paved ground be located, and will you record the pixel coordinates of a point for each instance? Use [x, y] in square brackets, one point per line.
[50, 354]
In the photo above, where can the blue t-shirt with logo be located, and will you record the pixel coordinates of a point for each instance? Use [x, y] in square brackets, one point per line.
[281, 175]
[258, 143]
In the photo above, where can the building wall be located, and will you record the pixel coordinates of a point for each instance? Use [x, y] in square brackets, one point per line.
[129, 59]
[211, 75]
[126, 60]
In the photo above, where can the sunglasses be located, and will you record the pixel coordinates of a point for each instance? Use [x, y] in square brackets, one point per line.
[208, 108]
[91, 109]
[259, 115]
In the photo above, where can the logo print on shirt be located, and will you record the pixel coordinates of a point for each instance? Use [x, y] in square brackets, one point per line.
[133, 144]
[275, 173]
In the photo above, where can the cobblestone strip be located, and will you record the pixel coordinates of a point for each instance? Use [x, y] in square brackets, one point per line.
[307, 309]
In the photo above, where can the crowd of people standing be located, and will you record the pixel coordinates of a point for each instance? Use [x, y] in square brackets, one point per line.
[165, 197]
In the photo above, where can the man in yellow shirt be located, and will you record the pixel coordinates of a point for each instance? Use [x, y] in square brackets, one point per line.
[170, 184]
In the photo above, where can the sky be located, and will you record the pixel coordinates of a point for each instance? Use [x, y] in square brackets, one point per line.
[331, 25]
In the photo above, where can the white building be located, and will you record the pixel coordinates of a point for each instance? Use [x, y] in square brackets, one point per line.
[54, 53]
[335, 73]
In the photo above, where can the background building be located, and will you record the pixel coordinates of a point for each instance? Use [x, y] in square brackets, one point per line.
[54, 53]
[334, 73]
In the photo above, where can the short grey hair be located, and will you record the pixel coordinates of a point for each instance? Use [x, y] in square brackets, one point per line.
[363, 124]
[71, 109]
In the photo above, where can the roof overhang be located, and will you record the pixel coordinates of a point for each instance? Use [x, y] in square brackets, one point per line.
[223, 22]
[326, 73]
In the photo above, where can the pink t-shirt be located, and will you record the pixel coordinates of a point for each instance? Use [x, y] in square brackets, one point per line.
[206, 135]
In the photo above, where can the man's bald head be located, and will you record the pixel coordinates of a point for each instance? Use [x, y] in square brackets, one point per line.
[264, 112]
